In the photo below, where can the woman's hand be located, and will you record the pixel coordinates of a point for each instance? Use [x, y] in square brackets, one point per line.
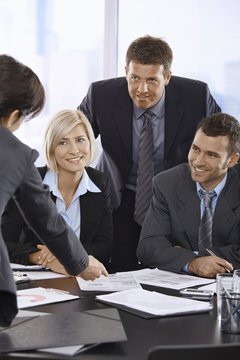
[42, 257]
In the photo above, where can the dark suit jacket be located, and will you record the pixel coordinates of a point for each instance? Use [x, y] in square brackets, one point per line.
[96, 224]
[174, 216]
[20, 179]
[109, 108]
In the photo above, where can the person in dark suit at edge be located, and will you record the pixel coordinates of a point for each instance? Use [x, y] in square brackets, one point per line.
[21, 95]
[175, 237]
[81, 194]
[116, 109]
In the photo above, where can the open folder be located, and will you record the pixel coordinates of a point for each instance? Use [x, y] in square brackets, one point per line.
[64, 329]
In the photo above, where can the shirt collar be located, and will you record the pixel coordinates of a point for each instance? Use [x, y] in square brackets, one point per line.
[157, 109]
[86, 184]
[217, 189]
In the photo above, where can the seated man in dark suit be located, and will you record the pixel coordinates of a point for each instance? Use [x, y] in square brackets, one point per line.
[181, 226]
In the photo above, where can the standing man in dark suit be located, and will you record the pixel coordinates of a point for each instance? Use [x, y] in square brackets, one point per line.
[176, 234]
[116, 109]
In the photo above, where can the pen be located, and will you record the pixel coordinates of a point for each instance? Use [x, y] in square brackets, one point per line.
[17, 273]
[212, 254]
[57, 291]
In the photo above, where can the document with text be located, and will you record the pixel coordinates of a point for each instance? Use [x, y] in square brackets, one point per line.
[167, 279]
[133, 280]
[114, 282]
[154, 303]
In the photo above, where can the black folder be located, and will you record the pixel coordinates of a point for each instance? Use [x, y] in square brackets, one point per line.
[64, 329]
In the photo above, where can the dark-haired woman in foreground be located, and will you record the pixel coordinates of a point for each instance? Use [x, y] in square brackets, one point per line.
[21, 95]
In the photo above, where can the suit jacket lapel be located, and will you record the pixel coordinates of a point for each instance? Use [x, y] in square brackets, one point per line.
[189, 210]
[123, 116]
[224, 217]
[89, 205]
[173, 115]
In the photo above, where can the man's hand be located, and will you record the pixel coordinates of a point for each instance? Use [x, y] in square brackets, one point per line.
[94, 270]
[209, 266]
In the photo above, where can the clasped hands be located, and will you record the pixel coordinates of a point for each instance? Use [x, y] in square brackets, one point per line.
[44, 257]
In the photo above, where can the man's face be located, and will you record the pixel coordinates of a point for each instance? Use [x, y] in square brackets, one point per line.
[209, 159]
[146, 83]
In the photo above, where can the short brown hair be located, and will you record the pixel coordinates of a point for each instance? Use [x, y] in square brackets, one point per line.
[150, 50]
[221, 124]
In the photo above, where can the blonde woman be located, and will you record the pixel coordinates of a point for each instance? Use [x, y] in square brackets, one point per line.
[80, 192]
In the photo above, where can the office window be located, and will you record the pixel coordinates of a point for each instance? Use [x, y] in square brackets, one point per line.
[70, 43]
[204, 37]
[62, 41]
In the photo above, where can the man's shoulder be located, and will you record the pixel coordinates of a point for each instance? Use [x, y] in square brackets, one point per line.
[112, 83]
[173, 175]
[183, 81]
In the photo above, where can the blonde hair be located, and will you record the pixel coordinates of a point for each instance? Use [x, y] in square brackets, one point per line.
[58, 127]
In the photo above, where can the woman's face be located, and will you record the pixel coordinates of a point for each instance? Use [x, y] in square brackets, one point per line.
[72, 152]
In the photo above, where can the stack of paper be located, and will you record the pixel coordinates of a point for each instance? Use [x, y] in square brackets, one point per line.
[154, 303]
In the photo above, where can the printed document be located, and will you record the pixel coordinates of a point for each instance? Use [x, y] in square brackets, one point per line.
[155, 303]
[114, 282]
[132, 280]
[40, 296]
[167, 279]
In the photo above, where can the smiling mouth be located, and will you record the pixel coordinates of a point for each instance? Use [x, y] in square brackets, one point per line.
[74, 160]
[199, 170]
[145, 95]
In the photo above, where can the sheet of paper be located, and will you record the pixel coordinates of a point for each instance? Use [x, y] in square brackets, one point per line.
[29, 313]
[40, 296]
[68, 350]
[211, 287]
[114, 282]
[37, 275]
[64, 350]
[168, 279]
[155, 303]
[26, 267]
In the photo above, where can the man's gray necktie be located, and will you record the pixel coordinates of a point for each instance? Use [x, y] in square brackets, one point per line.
[205, 228]
[145, 169]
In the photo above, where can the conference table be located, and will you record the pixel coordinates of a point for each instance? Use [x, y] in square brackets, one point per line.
[142, 334]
